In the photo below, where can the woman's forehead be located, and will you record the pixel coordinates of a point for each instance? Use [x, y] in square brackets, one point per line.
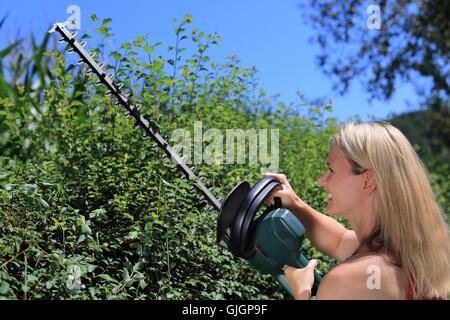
[337, 157]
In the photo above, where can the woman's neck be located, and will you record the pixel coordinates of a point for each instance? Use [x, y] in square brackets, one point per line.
[363, 227]
[363, 221]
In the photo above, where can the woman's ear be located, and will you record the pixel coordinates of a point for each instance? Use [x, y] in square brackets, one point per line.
[370, 182]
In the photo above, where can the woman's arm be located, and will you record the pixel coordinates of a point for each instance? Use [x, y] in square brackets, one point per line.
[325, 233]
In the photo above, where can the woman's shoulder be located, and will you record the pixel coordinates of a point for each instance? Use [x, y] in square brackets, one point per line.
[365, 276]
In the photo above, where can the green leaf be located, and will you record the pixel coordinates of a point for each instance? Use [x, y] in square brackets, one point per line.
[188, 18]
[4, 287]
[86, 229]
[49, 284]
[125, 274]
[139, 41]
[138, 266]
[126, 45]
[3, 20]
[31, 278]
[149, 49]
[81, 238]
[107, 277]
[90, 268]
[97, 213]
[116, 55]
[28, 187]
[94, 17]
[133, 235]
[142, 284]
[43, 203]
[9, 49]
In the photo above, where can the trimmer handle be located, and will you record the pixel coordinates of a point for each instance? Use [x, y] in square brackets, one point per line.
[300, 263]
[303, 262]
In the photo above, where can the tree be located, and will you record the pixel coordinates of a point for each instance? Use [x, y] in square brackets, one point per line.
[412, 45]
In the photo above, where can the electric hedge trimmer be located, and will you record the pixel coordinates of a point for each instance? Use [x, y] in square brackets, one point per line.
[267, 241]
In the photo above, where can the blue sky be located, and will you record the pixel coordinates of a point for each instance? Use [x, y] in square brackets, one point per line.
[267, 34]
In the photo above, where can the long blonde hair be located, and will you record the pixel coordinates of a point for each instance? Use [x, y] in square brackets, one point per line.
[409, 220]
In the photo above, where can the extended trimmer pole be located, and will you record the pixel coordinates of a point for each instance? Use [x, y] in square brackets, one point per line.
[151, 129]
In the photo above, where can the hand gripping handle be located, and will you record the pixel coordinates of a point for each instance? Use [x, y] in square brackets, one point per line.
[301, 263]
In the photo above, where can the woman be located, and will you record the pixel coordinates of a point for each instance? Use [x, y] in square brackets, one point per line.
[399, 245]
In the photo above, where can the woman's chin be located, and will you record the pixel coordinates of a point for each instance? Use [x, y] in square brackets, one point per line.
[330, 208]
[333, 211]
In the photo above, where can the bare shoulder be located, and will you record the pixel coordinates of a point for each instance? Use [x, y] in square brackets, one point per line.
[364, 277]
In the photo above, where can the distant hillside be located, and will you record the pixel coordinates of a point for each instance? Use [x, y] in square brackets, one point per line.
[427, 130]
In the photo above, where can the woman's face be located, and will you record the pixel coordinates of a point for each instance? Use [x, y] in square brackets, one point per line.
[345, 189]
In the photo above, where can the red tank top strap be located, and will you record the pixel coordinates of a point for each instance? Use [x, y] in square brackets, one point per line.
[410, 293]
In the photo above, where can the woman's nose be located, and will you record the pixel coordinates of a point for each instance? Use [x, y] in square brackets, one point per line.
[321, 181]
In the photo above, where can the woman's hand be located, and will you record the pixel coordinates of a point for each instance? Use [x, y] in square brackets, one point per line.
[287, 195]
[301, 280]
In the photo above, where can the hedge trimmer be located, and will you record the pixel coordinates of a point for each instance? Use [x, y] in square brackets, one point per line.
[268, 241]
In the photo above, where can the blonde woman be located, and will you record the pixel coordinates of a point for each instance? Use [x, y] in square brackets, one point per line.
[399, 245]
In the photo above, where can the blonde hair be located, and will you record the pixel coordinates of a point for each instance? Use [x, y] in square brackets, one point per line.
[409, 220]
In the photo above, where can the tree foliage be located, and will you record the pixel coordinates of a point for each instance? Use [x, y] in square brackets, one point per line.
[412, 45]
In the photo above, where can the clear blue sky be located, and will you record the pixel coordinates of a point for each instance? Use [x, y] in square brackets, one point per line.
[267, 34]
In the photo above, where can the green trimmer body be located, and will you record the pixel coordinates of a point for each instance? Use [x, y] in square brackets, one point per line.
[278, 241]
[269, 240]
